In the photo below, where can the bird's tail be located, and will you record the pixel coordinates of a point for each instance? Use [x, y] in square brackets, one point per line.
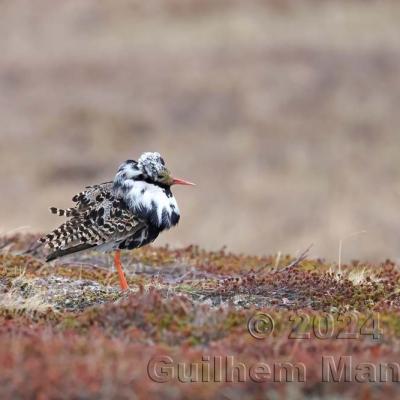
[70, 250]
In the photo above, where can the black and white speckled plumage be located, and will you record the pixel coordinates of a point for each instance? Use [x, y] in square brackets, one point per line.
[126, 213]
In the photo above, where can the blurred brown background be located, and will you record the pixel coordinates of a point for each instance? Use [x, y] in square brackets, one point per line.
[286, 114]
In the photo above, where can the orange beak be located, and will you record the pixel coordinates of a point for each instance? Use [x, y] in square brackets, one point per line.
[176, 181]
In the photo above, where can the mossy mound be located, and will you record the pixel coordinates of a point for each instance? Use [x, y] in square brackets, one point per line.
[68, 329]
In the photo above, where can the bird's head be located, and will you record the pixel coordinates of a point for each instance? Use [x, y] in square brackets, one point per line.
[153, 168]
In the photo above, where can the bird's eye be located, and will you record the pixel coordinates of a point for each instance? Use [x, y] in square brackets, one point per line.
[163, 176]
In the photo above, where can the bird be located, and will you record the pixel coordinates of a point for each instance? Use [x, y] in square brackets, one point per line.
[123, 214]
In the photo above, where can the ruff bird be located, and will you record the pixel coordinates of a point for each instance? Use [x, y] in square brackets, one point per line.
[126, 213]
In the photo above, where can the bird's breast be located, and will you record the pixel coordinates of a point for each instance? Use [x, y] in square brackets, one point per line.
[152, 203]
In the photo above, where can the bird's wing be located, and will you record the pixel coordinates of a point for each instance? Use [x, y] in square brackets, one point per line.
[86, 199]
[98, 217]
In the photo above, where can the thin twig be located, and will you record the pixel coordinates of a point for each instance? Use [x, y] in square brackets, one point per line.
[31, 248]
[298, 260]
[5, 244]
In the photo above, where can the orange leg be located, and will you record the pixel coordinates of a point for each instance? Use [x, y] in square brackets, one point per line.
[122, 280]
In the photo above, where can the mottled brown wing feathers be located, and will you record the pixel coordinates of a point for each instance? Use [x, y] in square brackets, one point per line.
[97, 218]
